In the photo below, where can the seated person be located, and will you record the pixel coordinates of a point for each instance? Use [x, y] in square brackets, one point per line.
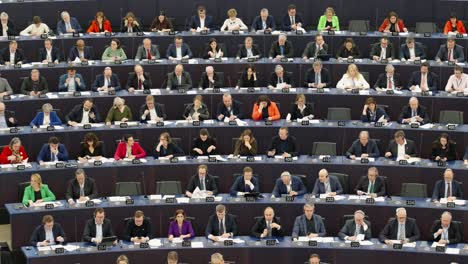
[14, 153]
[68, 24]
[99, 24]
[178, 50]
[80, 52]
[314, 49]
[53, 151]
[280, 79]
[288, 185]
[454, 25]
[172, 258]
[81, 188]
[167, 148]
[139, 79]
[179, 79]
[389, 79]
[383, 50]
[292, 21]
[265, 109]
[327, 184]
[12, 55]
[71, 81]
[5, 88]
[91, 234]
[197, 110]
[328, 21]
[392, 24]
[49, 53]
[264, 22]
[364, 147]
[444, 149]
[114, 52]
[84, 113]
[352, 79]
[400, 228]
[248, 50]
[400, 147]
[356, 226]
[283, 144]
[229, 108]
[308, 224]
[213, 50]
[7, 118]
[47, 234]
[7, 28]
[450, 52]
[37, 192]
[34, 85]
[129, 149]
[119, 112]
[447, 188]
[248, 78]
[301, 109]
[458, 81]
[245, 183]
[268, 225]
[424, 79]
[221, 225]
[161, 23]
[203, 181]
[201, 21]
[36, 29]
[233, 23]
[317, 76]
[282, 48]
[413, 112]
[152, 111]
[372, 184]
[246, 145]
[211, 79]
[147, 51]
[138, 229]
[348, 50]
[372, 113]
[130, 24]
[412, 50]
[47, 117]
[465, 157]
[91, 148]
[445, 232]
[180, 227]
[204, 145]
[107, 81]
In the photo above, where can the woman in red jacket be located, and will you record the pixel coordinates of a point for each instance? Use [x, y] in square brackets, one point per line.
[100, 24]
[264, 109]
[13, 153]
[454, 25]
[392, 24]
[129, 149]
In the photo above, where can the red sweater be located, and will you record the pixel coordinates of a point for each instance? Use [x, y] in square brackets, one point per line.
[398, 27]
[121, 150]
[94, 27]
[6, 152]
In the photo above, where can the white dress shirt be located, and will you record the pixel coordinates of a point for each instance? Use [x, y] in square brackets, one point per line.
[153, 114]
[46, 120]
[179, 53]
[458, 85]
[34, 30]
[12, 57]
[383, 53]
[98, 231]
[401, 150]
[202, 22]
[412, 53]
[347, 82]
[230, 25]
[49, 235]
[85, 118]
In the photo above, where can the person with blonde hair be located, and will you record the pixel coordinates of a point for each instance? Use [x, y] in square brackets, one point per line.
[329, 20]
[233, 22]
[119, 112]
[37, 192]
[352, 79]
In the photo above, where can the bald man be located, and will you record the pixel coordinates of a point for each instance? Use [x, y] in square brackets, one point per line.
[268, 225]
[139, 80]
[355, 227]
[80, 52]
[107, 81]
[327, 184]
[7, 118]
[364, 147]
[447, 188]
[211, 79]
[147, 51]
[444, 231]
[400, 228]
[179, 79]
[414, 112]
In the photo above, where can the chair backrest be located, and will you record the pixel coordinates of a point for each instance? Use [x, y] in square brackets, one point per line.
[168, 187]
[425, 27]
[188, 218]
[461, 226]
[21, 187]
[128, 188]
[386, 108]
[324, 148]
[413, 190]
[344, 180]
[359, 25]
[216, 180]
[338, 114]
[385, 178]
[177, 141]
[366, 76]
[451, 117]
[303, 178]
[233, 142]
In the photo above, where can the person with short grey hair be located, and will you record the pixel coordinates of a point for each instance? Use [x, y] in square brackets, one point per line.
[389, 79]
[81, 188]
[68, 24]
[401, 228]
[282, 48]
[264, 22]
[7, 118]
[47, 117]
[356, 229]
[7, 28]
[280, 79]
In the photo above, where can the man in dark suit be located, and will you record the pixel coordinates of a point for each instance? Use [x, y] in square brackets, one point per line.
[412, 50]
[152, 111]
[244, 184]
[450, 52]
[317, 76]
[291, 21]
[68, 24]
[248, 50]
[98, 228]
[400, 147]
[179, 79]
[80, 51]
[7, 118]
[283, 144]
[49, 233]
[280, 79]
[12, 55]
[107, 81]
[204, 181]
[229, 108]
[268, 225]
[314, 49]
[363, 147]
[81, 188]
[264, 22]
[413, 112]
[147, 51]
[7, 26]
[221, 224]
[372, 184]
[138, 229]
[401, 228]
[139, 80]
[201, 21]
[357, 226]
[35, 84]
[49, 53]
[424, 79]
[444, 231]
[327, 184]
[52, 151]
[84, 113]
[288, 185]
[447, 188]
[211, 79]
[71, 81]
[178, 50]
[308, 224]
[465, 157]
[282, 48]
[389, 79]
[382, 50]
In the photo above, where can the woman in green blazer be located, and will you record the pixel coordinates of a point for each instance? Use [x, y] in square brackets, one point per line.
[37, 192]
[114, 52]
[329, 21]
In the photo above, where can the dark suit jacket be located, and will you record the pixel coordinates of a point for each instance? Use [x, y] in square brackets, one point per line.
[203, 111]
[379, 185]
[212, 228]
[296, 185]
[379, 112]
[73, 54]
[257, 23]
[236, 110]
[454, 232]
[27, 86]
[114, 80]
[451, 154]
[64, 88]
[61, 28]
[244, 82]
[410, 148]
[418, 51]
[172, 149]
[287, 78]
[335, 186]
[133, 81]
[157, 107]
[19, 56]
[432, 80]
[9, 114]
[242, 51]
[324, 77]
[217, 78]
[390, 230]
[11, 31]
[300, 226]
[44, 154]
[39, 119]
[458, 54]
[76, 114]
[439, 190]
[39, 234]
[350, 227]
[465, 157]
[210, 184]
[290, 142]
[132, 230]
[55, 54]
[356, 149]
[261, 225]
[296, 113]
[89, 188]
[406, 113]
[376, 49]
[286, 22]
[382, 81]
[195, 22]
[90, 229]
[172, 51]
[141, 53]
[311, 49]
[288, 50]
[239, 186]
[186, 81]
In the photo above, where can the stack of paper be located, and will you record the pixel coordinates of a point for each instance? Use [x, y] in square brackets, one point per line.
[408, 245]
[155, 197]
[155, 243]
[457, 202]
[183, 200]
[281, 157]
[197, 244]
[96, 201]
[7, 166]
[370, 159]
[337, 197]
[129, 123]
[55, 127]
[56, 204]
[117, 198]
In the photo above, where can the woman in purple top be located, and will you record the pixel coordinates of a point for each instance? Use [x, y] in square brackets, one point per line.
[180, 227]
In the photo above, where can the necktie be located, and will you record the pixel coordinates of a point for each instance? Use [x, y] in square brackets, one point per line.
[139, 84]
[49, 59]
[390, 84]
[293, 21]
[317, 79]
[281, 50]
[264, 25]
[371, 188]
[179, 80]
[148, 54]
[108, 82]
[450, 55]
[268, 228]
[280, 80]
[202, 184]
[401, 235]
[414, 113]
[53, 156]
[221, 228]
[449, 189]
[81, 191]
[357, 231]
[423, 81]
